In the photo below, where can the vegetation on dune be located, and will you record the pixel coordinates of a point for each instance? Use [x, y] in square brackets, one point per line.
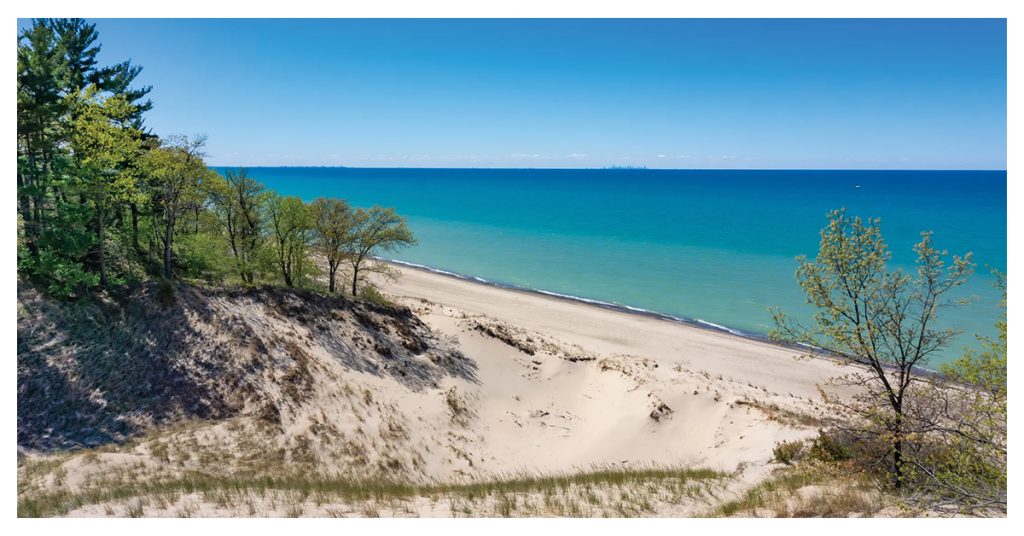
[614, 492]
[810, 489]
[105, 369]
[941, 436]
[103, 201]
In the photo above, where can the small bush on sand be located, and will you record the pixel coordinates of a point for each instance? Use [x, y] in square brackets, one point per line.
[372, 295]
[830, 447]
[788, 452]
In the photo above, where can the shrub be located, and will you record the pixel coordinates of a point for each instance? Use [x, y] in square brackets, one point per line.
[788, 452]
[834, 447]
[372, 295]
[63, 278]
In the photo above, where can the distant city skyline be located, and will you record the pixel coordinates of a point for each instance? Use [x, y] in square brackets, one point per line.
[663, 93]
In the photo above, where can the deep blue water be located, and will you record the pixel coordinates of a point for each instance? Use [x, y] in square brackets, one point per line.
[718, 246]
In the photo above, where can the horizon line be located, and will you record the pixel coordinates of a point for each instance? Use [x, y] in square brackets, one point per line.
[603, 168]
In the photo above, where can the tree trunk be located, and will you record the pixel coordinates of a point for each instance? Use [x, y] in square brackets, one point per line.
[168, 236]
[897, 464]
[331, 272]
[355, 278]
[26, 216]
[897, 449]
[101, 237]
[287, 273]
[135, 228]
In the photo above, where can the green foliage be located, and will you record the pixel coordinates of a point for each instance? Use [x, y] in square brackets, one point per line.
[235, 200]
[291, 232]
[829, 448]
[372, 295]
[986, 371]
[965, 459]
[203, 256]
[941, 435]
[64, 278]
[877, 318]
[788, 452]
[102, 202]
[375, 230]
[333, 226]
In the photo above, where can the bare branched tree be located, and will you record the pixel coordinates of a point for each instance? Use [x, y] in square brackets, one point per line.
[880, 319]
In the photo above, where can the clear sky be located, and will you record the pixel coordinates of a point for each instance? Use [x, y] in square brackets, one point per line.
[919, 94]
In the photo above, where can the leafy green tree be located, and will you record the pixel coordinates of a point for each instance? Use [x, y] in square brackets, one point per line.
[375, 230]
[105, 147]
[880, 319]
[333, 223]
[291, 228]
[177, 172]
[236, 200]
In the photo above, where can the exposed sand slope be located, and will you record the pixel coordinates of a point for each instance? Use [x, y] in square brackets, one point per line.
[506, 382]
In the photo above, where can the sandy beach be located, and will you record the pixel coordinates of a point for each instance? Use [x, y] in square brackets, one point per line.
[608, 332]
[609, 387]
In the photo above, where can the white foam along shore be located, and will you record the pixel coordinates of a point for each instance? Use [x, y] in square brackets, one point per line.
[801, 347]
[697, 322]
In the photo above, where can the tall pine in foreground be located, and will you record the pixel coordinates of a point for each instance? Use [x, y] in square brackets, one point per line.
[79, 135]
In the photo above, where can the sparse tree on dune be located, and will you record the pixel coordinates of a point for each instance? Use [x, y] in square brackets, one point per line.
[881, 319]
[333, 224]
[376, 230]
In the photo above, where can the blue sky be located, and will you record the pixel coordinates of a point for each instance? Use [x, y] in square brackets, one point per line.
[918, 94]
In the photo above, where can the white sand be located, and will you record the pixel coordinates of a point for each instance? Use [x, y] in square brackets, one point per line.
[558, 386]
[599, 412]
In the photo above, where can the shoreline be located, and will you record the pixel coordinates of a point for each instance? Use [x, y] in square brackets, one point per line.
[616, 307]
[812, 352]
[615, 332]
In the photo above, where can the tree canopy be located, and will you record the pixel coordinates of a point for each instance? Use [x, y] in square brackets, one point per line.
[102, 201]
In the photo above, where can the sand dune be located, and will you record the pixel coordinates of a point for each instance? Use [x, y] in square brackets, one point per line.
[487, 383]
[605, 387]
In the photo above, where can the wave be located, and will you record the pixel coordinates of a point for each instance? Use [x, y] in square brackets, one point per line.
[435, 270]
[696, 322]
[721, 327]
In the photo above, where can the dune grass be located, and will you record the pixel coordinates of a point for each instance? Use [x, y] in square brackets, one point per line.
[807, 490]
[565, 494]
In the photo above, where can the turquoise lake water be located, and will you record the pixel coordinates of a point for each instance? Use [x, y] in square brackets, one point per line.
[713, 246]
